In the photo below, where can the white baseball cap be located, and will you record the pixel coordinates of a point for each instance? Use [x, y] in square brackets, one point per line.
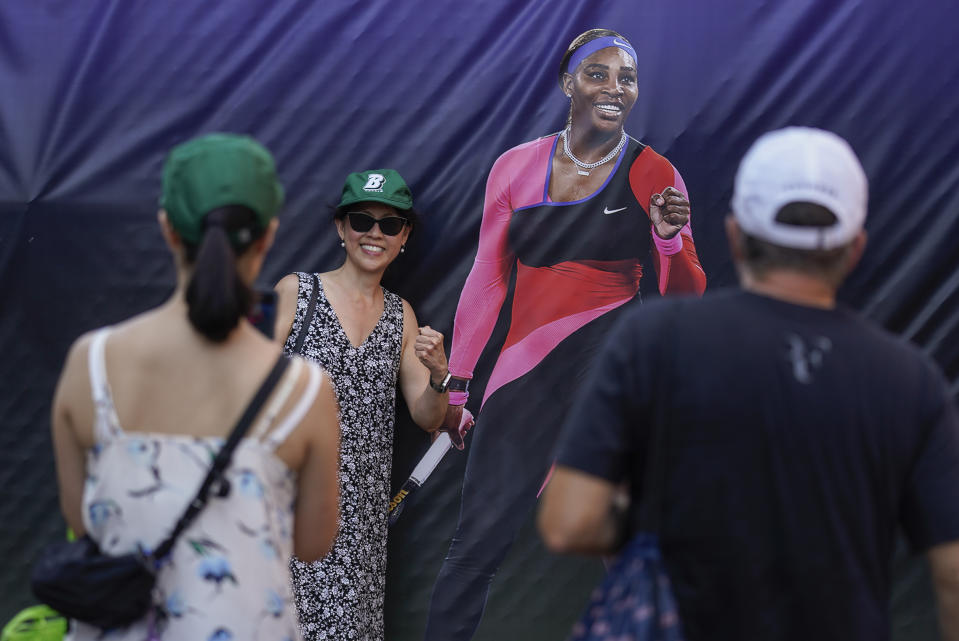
[800, 164]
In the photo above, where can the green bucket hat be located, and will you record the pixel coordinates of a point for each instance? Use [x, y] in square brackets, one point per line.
[377, 185]
[216, 170]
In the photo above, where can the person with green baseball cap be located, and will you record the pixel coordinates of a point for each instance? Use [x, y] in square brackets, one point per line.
[367, 338]
[220, 195]
[214, 171]
[142, 408]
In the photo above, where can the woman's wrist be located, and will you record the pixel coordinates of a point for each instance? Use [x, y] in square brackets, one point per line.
[459, 384]
[440, 383]
[459, 388]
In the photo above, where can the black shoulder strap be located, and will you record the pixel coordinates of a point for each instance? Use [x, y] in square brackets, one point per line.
[223, 457]
[308, 320]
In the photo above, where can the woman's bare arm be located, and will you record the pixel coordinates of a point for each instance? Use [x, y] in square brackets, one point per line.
[287, 291]
[317, 502]
[71, 427]
[423, 359]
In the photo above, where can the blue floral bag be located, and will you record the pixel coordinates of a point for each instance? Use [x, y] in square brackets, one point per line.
[635, 601]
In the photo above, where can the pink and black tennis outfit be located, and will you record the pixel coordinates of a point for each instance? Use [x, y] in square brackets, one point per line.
[577, 265]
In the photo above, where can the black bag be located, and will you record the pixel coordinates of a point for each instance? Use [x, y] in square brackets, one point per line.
[79, 581]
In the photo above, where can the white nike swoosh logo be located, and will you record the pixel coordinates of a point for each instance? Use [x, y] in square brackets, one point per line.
[607, 210]
[620, 44]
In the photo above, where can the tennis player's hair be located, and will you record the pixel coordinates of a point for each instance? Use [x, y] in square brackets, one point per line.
[216, 296]
[761, 256]
[579, 41]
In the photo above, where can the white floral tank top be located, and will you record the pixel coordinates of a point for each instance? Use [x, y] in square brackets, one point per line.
[227, 578]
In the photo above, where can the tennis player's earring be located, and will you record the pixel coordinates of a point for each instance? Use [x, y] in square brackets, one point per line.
[402, 248]
[342, 243]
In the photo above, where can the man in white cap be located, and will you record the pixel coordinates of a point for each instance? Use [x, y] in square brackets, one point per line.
[791, 436]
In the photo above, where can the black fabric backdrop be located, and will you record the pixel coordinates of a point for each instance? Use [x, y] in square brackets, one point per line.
[93, 93]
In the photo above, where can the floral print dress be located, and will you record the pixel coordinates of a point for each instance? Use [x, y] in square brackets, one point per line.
[341, 596]
[227, 578]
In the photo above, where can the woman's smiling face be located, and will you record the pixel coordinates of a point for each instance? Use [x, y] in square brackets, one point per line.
[371, 249]
[603, 89]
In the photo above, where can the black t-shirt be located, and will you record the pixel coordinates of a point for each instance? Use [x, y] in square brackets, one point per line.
[797, 439]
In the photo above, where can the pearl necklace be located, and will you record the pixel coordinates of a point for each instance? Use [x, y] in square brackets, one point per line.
[585, 167]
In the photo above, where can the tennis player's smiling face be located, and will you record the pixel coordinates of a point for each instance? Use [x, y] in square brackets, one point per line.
[603, 89]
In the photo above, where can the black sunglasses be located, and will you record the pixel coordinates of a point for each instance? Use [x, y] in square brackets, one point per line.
[363, 222]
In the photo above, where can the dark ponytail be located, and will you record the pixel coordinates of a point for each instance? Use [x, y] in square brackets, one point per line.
[216, 295]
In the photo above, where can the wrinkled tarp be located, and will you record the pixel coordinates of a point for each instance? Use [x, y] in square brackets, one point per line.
[93, 93]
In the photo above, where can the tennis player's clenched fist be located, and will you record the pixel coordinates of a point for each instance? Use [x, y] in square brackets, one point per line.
[669, 212]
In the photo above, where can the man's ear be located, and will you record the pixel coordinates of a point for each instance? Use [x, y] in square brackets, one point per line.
[857, 247]
[170, 235]
[734, 237]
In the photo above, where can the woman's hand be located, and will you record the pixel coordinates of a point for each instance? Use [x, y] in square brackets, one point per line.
[457, 422]
[429, 349]
[423, 358]
[669, 212]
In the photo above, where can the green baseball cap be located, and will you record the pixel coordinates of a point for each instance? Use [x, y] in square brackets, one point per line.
[377, 185]
[216, 170]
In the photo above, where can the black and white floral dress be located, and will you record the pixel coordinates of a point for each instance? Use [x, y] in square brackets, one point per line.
[341, 596]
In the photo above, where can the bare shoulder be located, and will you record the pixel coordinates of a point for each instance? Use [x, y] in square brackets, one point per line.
[305, 377]
[73, 396]
[407, 309]
[314, 411]
[410, 325]
[289, 284]
[310, 368]
[78, 354]
[324, 408]
[287, 292]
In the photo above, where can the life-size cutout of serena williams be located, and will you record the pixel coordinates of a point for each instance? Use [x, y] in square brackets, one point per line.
[573, 213]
